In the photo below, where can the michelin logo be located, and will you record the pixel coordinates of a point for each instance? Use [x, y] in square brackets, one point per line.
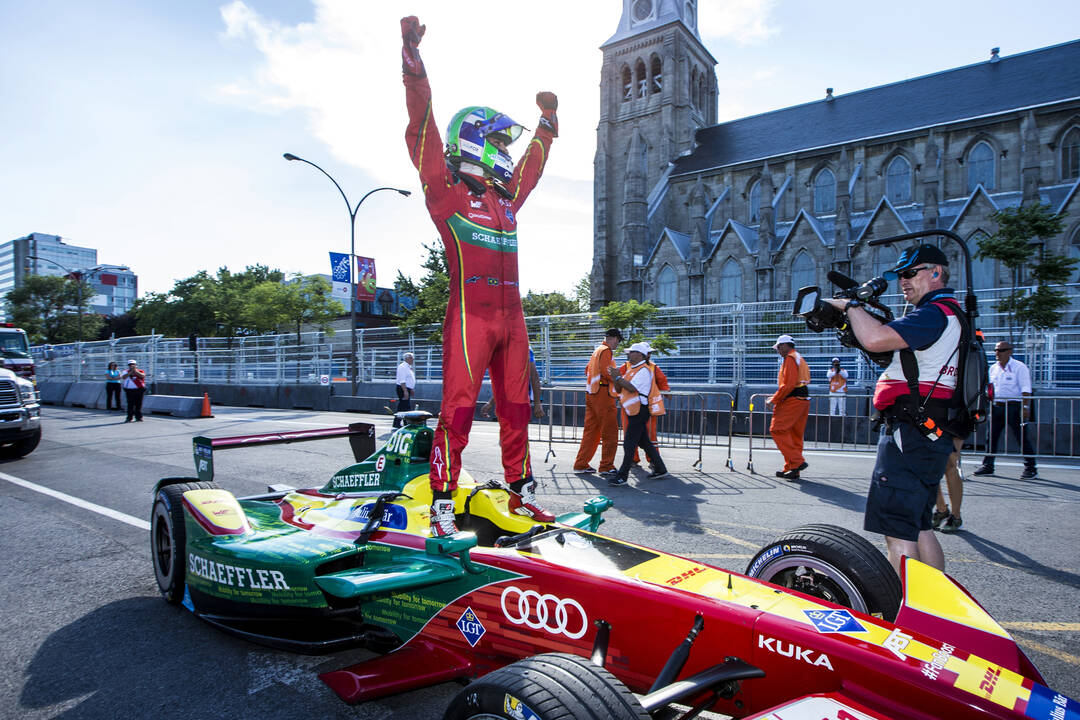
[770, 554]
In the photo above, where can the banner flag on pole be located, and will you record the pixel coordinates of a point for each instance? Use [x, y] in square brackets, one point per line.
[365, 275]
[339, 267]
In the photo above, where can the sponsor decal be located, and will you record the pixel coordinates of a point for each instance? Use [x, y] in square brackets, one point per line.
[937, 661]
[437, 461]
[203, 450]
[471, 627]
[834, 621]
[765, 558]
[496, 242]
[234, 576]
[509, 214]
[896, 643]
[356, 480]
[400, 443]
[380, 463]
[493, 282]
[394, 516]
[989, 680]
[683, 576]
[558, 616]
[478, 216]
[475, 204]
[473, 280]
[807, 655]
[1047, 704]
[517, 710]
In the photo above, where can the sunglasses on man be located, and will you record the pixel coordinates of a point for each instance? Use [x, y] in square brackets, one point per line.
[912, 272]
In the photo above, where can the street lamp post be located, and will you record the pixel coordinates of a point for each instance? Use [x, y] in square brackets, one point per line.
[352, 251]
[78, 276]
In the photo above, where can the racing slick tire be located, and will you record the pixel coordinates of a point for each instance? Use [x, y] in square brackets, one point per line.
[553, 686]
[832, 563]
[168, 536]
[21, 448]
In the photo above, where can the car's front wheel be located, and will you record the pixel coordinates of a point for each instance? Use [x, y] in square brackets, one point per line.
[834, 564]
[168, 536]
[553, 686]
[21, 448]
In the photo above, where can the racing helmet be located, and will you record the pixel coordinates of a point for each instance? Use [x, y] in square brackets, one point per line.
[468, 138]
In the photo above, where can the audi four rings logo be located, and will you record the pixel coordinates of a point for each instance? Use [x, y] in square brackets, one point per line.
[552, 614]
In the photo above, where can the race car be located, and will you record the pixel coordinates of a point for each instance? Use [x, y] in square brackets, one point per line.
[559, 621]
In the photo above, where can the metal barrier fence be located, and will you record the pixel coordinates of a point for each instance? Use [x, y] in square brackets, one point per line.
[1055, 435]
[692, 420]
[716, 344]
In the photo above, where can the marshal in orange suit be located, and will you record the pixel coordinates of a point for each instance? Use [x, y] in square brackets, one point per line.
[601, 423]
[791, 403]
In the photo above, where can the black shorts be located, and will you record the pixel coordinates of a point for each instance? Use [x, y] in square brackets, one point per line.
[904, 485]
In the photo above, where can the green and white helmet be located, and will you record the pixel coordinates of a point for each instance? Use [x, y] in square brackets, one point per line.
[468, 138]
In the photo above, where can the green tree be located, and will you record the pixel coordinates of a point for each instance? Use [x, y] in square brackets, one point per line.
[303, 300]
[49, 308]
[632, 318]
[583, 293]
[552, 303]
[1013, 246]
[432, 294]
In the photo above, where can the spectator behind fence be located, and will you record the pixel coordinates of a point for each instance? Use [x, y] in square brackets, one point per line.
[134, 382]
[791, 403]
[601, 423]
[1012, 400]
[837, 388]
[112, 387]
[405, 387]
[640, 398]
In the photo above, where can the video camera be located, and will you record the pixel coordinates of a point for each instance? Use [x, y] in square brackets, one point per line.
[820, 315]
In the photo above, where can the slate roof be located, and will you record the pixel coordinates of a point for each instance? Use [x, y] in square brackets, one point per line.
[1016, 81]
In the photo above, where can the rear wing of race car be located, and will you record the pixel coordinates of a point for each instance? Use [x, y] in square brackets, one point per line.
[361, 439]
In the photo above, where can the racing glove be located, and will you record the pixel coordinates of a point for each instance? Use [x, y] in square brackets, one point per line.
[548, 104]
[411, 33]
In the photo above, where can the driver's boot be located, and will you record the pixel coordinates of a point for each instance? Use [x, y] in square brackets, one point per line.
[523, 501]
[442, 518]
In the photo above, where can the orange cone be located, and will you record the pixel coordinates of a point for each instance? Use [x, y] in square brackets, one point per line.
[206, 406]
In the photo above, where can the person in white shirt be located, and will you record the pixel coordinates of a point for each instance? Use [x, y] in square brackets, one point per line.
[1012, 400]
[837, 388]
[406, 386]
[640, 398]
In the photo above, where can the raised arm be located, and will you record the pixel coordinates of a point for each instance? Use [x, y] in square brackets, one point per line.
[530, 167]
[421, 135]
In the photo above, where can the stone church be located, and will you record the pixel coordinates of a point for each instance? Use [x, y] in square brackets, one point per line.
[690, 211]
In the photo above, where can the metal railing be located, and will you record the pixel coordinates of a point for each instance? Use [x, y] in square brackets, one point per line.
[722, 344]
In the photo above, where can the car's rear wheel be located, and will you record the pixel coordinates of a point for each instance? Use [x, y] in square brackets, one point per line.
[553, 686]
[168, 536]
[21, 448]
[834, 564]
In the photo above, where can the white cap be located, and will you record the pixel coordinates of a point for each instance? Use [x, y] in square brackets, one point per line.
[641, 347]
[836, 359]
[408, 355]
[783, 339]
[132, 362]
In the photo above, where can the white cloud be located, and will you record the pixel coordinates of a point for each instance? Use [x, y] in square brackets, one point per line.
[746, 22]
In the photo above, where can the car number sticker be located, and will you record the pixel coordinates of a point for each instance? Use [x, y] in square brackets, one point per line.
[834, 621]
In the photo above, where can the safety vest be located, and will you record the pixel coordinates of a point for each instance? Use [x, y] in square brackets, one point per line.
[631, 400]
[838, 383]
[595, 372]
[804, 370]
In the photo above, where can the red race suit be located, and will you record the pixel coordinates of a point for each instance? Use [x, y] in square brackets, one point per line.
[484, 327]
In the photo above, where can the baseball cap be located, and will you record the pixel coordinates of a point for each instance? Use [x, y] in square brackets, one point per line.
[916, 255]
[132, 362]
[641, 347]
[836, 359]
[784, 339]
[615, 333]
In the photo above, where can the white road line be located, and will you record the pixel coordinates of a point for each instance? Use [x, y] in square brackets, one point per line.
[86, 505]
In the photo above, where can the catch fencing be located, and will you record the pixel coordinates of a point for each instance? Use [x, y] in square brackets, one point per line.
[721, 344]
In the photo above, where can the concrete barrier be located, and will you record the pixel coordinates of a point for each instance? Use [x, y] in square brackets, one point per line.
[85, 395]
[174, 405]
[304, 397]
[52, 392]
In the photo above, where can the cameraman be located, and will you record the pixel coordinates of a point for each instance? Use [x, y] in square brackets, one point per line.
[911, 453]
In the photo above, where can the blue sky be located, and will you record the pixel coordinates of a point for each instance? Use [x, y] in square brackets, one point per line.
[154, 130]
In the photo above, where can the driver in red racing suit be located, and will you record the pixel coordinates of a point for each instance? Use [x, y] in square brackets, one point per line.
[473, 193]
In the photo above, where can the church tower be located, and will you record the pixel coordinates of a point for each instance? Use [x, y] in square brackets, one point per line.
[657, 87]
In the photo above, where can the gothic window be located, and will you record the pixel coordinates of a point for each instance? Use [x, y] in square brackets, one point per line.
[1070, 154]
[824, 192]
[983, 270]
[702, 91]
[627, 84]
[980, 165]
[731, 280]
[1074, 245]
[884, 259]
[639, 79]
[803, 271]
[656, 76]
[898, 181]
[755, 202]
[694, 88]
[642, 10]
[690, 15]
[667, 287]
